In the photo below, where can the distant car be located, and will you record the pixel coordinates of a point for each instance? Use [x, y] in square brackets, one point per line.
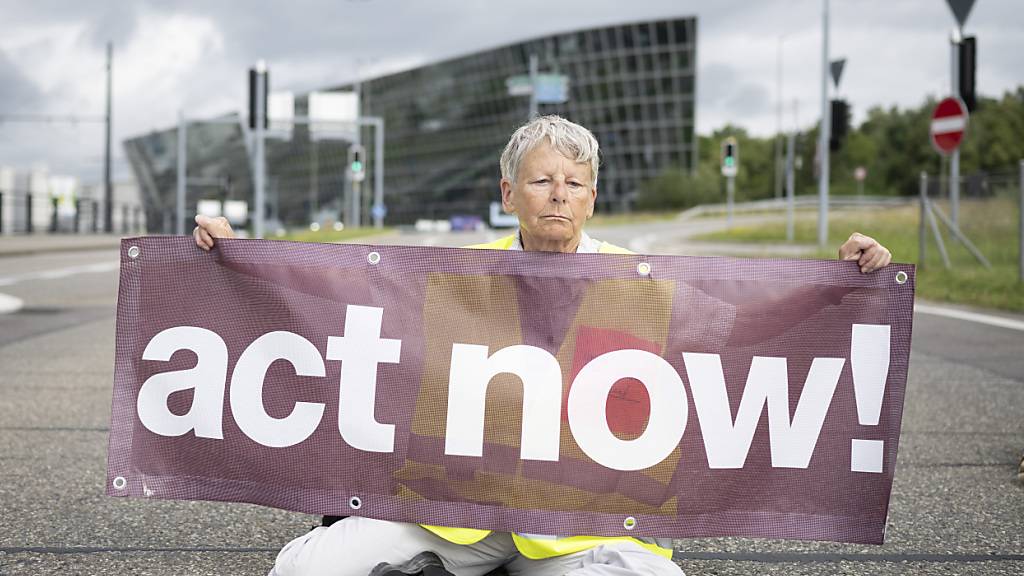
[466, 223]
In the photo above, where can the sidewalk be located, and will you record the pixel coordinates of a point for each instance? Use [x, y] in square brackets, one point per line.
[24, 245]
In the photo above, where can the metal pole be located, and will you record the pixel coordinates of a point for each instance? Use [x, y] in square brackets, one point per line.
[533, 86]
[179, 221]
[259, 161]
[357, 187]
[922, 235]
[108, 188]
[957, 234]
[314, 180]
[824, 130]
[954, 161]
[1020, 218]
[378, 172]
[730, 192]
[790, 188]
[357, 191]
[778, 119]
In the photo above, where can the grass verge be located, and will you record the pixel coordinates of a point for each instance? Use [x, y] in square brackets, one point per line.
[990, 224]
[630, 218]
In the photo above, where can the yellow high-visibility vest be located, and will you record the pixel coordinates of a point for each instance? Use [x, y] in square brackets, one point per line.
[533, 546]
[508, 242]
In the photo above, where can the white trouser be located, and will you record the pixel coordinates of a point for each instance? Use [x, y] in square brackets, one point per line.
[355, 545]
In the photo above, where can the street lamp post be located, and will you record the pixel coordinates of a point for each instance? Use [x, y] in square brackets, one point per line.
[778, 116]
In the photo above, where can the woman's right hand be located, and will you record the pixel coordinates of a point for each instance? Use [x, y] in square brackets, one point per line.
[209, 228]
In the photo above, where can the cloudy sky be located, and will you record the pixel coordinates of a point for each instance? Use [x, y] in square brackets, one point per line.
[193, 55]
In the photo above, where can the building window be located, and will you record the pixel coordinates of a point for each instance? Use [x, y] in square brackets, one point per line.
[680, 29]
[627, 37]
[643, 36]
[661, 29]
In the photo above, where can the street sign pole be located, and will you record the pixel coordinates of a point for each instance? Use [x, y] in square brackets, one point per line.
[824, 135]
[961, 10]
[954, 161]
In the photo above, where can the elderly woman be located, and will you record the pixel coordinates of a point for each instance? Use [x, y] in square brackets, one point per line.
[549, 181]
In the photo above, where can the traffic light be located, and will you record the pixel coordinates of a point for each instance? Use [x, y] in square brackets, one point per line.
[253, 75]
[840, 124]
[356, 164]
[968, 62]
[730, 156]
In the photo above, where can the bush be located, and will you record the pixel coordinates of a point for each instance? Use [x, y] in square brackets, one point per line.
[675, 189]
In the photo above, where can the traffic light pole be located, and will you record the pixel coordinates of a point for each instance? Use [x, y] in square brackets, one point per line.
[823, 136]
[259, 152]
[354, 212]
[730, 193]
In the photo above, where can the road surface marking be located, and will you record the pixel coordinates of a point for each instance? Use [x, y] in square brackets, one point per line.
[970, 316]
[9, 304]
[60, 273]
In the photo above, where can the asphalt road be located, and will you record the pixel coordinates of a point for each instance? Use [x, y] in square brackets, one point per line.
[956, 507]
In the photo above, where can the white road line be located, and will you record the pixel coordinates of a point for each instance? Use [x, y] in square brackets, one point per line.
[970, 316]
[60, 273]
[9, 304]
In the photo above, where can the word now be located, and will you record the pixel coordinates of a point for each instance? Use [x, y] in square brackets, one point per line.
[361, 349]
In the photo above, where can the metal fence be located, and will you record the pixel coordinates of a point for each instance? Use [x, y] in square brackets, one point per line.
[27, 213]
[977, 230]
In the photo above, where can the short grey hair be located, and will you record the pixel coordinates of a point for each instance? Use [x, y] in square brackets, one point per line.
[572, 140]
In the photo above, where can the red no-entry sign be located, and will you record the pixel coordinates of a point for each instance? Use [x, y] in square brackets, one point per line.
[949, 122]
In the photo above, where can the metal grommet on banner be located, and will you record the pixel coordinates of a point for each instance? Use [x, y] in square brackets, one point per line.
[373, 257]
[901, 277]
[134, 252]
[355, 503]
[629, 523]
[643, 269]
[120, 483]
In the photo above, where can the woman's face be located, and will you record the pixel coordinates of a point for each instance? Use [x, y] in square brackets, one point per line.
[552, 196]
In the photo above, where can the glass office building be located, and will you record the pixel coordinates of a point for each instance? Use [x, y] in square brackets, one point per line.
[446, 124]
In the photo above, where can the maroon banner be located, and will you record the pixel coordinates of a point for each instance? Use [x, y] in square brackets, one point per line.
[533, 392]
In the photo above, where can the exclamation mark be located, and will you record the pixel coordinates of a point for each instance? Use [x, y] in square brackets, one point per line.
[869, 359]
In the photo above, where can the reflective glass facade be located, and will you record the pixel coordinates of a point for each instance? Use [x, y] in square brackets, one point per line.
[446, 123]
